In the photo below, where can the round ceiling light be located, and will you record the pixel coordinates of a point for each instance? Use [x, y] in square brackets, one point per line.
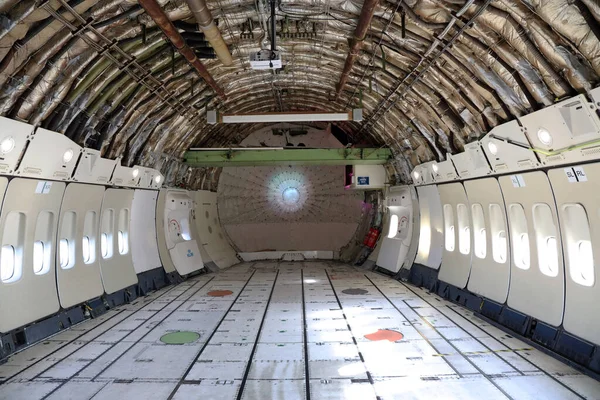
[135, 172]
[288, 191]
[493, 148]
[435, 168]
[157, 179]
[68, 156]
[7, 145]
[416, 175]
[544, 136]
[290, 196]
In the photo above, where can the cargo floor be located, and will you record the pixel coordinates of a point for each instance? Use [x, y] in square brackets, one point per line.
[289, 331]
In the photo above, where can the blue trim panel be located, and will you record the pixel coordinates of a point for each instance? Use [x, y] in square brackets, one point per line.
[19, 338]
[554, 341]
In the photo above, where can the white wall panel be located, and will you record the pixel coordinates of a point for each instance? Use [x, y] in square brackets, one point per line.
[117, 268]
[456, 263]
[532, 291]
[489, 275]
[211, 235]
[431, 234]
[144, 246]
[582, 286]
[30, 293]
[177, 246]
[80, 281]
[397, 233]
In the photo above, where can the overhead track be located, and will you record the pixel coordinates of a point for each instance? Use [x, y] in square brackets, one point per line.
[255, 157]
[155, 11]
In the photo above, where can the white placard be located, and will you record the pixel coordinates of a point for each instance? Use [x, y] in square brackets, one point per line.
[517, 180]
[43, 187]
[580, 174]
[570, 175]
[576, 174]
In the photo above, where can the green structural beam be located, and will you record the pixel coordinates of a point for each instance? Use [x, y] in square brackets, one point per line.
[280, 156]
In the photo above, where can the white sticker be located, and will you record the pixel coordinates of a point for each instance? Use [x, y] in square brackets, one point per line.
[514, 180]
[43, 187]
[570, 175]
[576, 174]
[517, 180]
[580, 174]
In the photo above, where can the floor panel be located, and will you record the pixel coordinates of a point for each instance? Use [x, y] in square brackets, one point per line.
[306, 331]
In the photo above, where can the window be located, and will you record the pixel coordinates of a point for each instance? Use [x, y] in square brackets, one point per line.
[42, 244]
[7, 264]
[519, 235]
[88, 242]
[123, 232]
[11, 254]
[498, 234]
[122, 242]
[86, 250]
[393, 226]
[578, 244]
[464, 231]
[66, 245]
[104, 245]
[106, 237]
[480, 238]
[185, 229]
[63, 252]
[545, 237]
[450, 239]
[39, 256]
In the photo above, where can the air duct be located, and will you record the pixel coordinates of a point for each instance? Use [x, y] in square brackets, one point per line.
[164, 23]
[207, 25]
[360, 32]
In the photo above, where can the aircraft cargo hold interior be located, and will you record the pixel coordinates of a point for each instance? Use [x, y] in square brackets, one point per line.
[299, 199]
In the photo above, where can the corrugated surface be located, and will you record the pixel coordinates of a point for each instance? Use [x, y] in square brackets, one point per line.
[515, 57]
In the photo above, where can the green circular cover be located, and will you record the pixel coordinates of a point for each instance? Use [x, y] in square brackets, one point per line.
[180, 337]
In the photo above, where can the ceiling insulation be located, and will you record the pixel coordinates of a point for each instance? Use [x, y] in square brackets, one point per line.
[460, 68]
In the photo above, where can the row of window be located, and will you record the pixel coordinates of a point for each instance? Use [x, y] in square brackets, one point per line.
[11, 255]
[579, 255]
[88, 248]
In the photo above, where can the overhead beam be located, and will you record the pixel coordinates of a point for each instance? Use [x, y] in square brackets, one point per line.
[362, 27]
[257, 157]
[155, 11]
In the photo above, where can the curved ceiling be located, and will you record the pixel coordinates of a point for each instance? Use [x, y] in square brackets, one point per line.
[462, 67]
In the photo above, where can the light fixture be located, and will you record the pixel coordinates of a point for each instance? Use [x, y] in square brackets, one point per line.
[68, 156]
[7, 145]
[135, 172]
[435, 168]
[213, 117]
[544, 136]
[157, 179]
[493, 148]
[416, 175]
[290, 196]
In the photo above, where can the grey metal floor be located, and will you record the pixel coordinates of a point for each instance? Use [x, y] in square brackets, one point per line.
[290, 331]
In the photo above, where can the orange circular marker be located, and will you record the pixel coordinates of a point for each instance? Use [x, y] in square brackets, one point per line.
[220, 293]
[385, 334]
